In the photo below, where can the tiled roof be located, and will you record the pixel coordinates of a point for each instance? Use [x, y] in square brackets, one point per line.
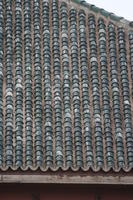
[103, 12]
[66, 88]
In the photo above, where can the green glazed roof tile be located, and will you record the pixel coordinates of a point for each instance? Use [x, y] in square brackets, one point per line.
[104, 13]
[131, 24]
[94, 8]
[115, 17]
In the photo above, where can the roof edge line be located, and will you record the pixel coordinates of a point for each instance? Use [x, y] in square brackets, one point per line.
[104, 12]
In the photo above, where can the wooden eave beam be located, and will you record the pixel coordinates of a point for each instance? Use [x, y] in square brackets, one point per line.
[64, 179]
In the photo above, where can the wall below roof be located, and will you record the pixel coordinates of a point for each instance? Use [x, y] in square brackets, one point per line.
[63, 192]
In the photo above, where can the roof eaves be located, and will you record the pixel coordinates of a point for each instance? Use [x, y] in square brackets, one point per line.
[105, 13]
[68, 178]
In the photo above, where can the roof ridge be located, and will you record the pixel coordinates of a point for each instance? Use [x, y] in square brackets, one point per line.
[104, 12]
